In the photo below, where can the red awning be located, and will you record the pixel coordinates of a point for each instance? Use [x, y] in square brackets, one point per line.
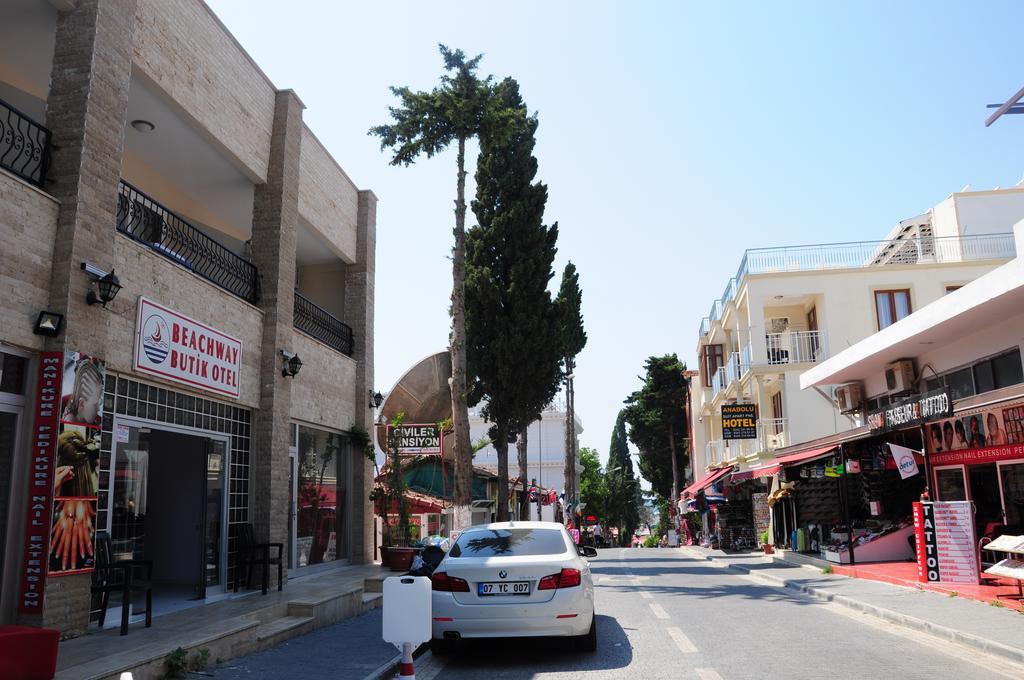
[766, 471]
[806, 456]
[705, 482]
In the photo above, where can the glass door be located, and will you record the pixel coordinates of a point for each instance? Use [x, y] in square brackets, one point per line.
[950, 483]
[292, 493]
[213, 566]
[1011, 476]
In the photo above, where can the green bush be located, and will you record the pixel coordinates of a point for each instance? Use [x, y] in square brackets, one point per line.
[651, 541]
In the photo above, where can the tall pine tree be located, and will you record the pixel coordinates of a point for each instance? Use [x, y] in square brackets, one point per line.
[574, 339]
[512, 324]
[623, 486]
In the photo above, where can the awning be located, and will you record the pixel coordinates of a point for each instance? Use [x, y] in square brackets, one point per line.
[705, 482]
[806, 456]
[766, 471]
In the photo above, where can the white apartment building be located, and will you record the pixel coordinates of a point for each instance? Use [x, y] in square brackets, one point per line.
[790, 308]
[545, 450]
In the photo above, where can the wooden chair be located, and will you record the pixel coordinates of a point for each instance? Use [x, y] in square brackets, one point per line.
[248, 552]
[122, 576]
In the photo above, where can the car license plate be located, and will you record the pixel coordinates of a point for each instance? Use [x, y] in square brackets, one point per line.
[504, 588]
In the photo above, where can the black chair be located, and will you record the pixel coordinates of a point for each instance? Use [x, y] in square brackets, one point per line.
[122, 576]
[248, 552]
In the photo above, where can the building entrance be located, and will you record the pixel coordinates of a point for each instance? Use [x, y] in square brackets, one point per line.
[168, 505]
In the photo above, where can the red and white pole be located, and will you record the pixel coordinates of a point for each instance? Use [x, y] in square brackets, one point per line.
[405, 669]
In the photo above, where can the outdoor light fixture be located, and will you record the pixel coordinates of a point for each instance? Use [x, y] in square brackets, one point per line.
[376, 399]
[143, 126]
[292, 364]
[107, 285]
[48, 323]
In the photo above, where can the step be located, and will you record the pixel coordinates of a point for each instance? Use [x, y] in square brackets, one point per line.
[372, 601]
[374, 584]
[283, 628]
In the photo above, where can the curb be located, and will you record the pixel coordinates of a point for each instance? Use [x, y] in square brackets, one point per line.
[888, 615]
[389, 669]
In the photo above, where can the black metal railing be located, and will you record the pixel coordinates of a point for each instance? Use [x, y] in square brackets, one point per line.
[322, 325]
[24, 145]
[156, 227]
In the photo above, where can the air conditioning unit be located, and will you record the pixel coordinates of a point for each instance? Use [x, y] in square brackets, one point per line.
[899, 376]
[849, 397]
[779, 324]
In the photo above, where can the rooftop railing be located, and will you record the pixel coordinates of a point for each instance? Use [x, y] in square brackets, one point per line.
[160, 230]
[24, 145]
[904, 251]
[322, 325]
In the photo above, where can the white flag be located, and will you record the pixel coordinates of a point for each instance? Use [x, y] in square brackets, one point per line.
[906, 463]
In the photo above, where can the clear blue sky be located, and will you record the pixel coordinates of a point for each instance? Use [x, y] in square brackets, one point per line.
[672, 137]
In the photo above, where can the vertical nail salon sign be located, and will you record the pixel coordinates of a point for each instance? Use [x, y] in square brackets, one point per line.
[174, 347]
[40, 484]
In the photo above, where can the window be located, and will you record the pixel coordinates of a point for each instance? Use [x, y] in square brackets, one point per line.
[509, 543]
[713, 359]
[12, 373]
[982, 376]
[323, 459]
[891, 306]
[951, 288]
[1006, 369]
[777, 412]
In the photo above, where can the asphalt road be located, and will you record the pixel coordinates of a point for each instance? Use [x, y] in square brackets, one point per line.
[662, 614]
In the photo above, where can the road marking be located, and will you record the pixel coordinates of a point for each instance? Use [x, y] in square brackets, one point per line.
[646, 595]
[707, 674]
[658, 611]
[682, 642]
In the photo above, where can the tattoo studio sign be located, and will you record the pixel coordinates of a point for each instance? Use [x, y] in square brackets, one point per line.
[911, 412]
[175, 347]
[40, 485]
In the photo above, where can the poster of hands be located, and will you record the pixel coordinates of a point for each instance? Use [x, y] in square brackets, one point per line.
[76, 482]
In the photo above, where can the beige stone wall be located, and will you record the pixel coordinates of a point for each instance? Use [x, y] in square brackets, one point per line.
[328, 200]
[182, 48]
[143, 272]
[28, 223]
[323, 390]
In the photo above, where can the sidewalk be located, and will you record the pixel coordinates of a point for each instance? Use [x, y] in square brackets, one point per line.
[997, 630]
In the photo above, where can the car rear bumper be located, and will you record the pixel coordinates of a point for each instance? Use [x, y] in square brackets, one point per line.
[510, 620]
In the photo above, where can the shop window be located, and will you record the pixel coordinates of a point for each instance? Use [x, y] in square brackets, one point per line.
[984, 380]
[950, 289]
[12, 373]
[320, 520]
[1012, 476]
[951, 484]
[712, 360]
[891, 306]
[961, 383]
[1006, 369]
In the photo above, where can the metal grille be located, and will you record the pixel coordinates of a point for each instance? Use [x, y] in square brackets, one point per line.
[153, 225]
[322, 325]
[24, 145]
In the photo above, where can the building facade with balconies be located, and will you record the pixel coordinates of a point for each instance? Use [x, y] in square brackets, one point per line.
[788, 309]
[226, 385]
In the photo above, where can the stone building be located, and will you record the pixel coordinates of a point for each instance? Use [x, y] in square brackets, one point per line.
[141, 146]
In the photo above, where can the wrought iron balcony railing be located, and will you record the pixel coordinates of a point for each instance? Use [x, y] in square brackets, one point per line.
[24, 145]
[322, 325]
[163, 232]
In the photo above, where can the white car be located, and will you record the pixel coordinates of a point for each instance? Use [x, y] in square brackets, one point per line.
[514, 579]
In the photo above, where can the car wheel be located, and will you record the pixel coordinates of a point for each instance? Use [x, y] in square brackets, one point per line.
[588, 641]
[440, 646]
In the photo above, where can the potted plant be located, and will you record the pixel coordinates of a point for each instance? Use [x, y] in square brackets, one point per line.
[389, 493]
[769, 549]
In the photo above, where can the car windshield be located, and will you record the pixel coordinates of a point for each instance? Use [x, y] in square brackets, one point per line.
[508, 542]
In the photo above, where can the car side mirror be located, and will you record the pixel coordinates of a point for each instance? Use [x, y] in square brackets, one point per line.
[587, 551]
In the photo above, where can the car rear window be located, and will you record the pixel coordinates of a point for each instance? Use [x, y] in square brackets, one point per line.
[508, 542]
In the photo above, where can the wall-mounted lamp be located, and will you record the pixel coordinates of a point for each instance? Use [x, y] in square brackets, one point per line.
[376, 399]
[48, 323]
[107, 285]
[292, 364]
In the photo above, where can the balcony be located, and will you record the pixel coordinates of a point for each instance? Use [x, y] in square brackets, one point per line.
[321, 325]
[733, 369]
[714, 452]
[718, 381]
[796, 347]
[772, 433]
[154, 226]
[24, 145]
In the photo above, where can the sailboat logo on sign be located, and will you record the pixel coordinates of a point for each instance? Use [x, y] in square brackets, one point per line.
[155, 341]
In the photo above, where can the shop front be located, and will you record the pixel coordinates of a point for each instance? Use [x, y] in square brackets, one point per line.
[320, 474]
[978, 455]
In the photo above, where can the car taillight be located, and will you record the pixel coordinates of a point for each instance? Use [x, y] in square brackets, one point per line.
[448, 584]
[567, 578]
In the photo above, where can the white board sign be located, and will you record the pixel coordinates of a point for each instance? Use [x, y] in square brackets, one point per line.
[183, 350]
[407, 610]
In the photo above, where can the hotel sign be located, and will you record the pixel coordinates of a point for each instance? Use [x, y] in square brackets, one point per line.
[911, 412]
[415, 439]
[739, 421]
[174, 347]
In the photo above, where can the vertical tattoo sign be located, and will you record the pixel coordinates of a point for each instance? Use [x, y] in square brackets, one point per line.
[40, 482]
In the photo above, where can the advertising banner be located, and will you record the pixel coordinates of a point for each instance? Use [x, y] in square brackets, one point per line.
[992, 430]
[416, 439]
[913, 411]
[906, 463]
[76, 477]
[39, 504]
[946, 546]
[175, 347]
[739, 421]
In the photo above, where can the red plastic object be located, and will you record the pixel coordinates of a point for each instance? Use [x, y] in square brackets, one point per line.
[28, 653]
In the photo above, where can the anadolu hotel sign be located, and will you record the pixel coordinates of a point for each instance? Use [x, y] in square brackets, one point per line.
[739, 421]
[177, 348]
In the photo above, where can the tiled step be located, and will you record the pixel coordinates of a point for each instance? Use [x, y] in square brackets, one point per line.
[374, 584]
[283, 628]
[372, 601]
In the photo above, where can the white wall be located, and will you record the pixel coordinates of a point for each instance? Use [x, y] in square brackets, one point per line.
[989, 212]
[545, 449]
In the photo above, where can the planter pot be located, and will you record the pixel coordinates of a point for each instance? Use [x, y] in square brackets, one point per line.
[401, 558]
[768, 549]
[385, 557]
